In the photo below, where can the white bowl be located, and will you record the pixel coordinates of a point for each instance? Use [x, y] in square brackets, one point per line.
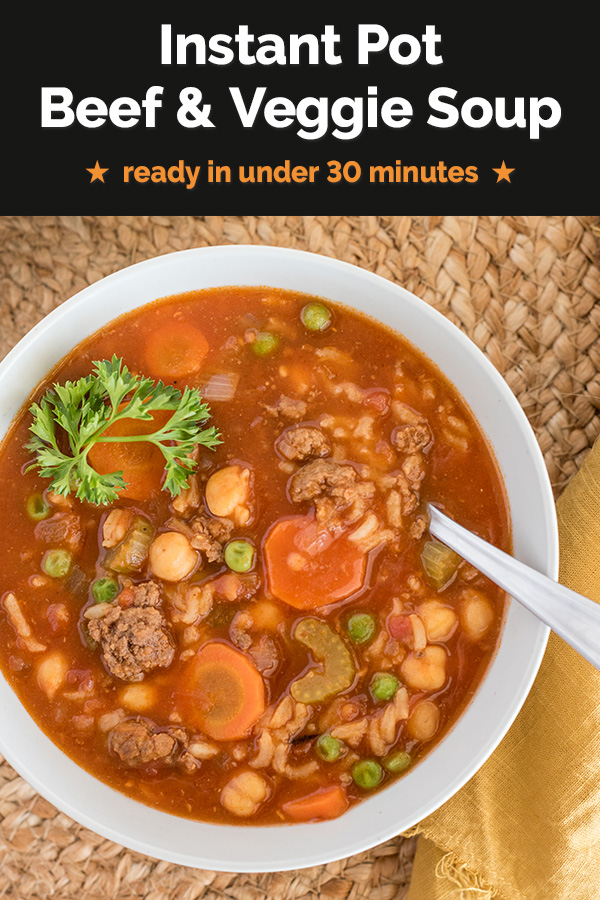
[500, 696]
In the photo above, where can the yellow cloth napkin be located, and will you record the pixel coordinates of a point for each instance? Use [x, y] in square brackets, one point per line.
[527, 825]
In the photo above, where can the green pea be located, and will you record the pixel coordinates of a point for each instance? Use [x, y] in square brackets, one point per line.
[384, 686]
[367, 774]
[316, 317]
[37, 508]
[265, 343]
[397, 761]
[328, 748]
[104, 590]
[56, 563]
[239, 555]
[360, 627]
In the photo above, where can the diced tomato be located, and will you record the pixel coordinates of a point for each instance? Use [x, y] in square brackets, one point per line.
[400, 627]
[125, 598]
[379, 401]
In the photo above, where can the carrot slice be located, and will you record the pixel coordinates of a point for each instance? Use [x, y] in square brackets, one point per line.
[308, 567]
[226, 694]
[142, 463]
[325, 803]
[175, 350]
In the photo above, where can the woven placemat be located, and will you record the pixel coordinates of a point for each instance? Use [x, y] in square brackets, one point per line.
[524, 288]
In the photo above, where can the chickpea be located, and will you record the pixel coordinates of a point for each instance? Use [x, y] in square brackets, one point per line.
[440, 621]
[171, 557]
[476, 614]
[228, 492]
[245, 792]
[424, 721]
[426, 672]
[266, 615]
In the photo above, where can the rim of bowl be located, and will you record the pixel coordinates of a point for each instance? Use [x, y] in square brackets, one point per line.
[383, 826]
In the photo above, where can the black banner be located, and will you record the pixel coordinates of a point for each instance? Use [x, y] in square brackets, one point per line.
[193, 111]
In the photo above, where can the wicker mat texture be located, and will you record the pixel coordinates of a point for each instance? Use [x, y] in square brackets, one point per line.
[524, 288]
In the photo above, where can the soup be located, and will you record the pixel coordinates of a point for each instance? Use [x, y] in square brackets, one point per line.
[251, 622]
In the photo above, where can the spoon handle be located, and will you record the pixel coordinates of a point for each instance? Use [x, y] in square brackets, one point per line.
[572, 616]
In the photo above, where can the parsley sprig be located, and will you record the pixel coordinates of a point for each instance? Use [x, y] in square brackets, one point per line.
[78, 413]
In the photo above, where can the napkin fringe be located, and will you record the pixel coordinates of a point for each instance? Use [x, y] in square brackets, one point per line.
[468, 884]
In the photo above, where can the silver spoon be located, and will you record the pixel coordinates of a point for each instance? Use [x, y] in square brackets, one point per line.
[572, 616]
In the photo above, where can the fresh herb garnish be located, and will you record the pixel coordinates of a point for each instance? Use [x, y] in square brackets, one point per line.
[78, 413]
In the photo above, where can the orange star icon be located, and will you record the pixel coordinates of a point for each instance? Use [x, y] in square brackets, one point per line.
[503, 173]
[97, 173]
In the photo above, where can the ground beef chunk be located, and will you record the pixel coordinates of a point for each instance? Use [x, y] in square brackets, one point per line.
[418, 528]
[413, 470]
[188, 762]
[265, 655]
[338, 494]
[411, 438]
[303, 442]
[135, 743]
[209, 536]
[402, 500]
[134, 640]
[403, 496]
[288, 407]
[145, 594]
[238, 630]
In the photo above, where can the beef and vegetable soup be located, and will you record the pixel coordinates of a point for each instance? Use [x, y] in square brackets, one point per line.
[218, 590]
